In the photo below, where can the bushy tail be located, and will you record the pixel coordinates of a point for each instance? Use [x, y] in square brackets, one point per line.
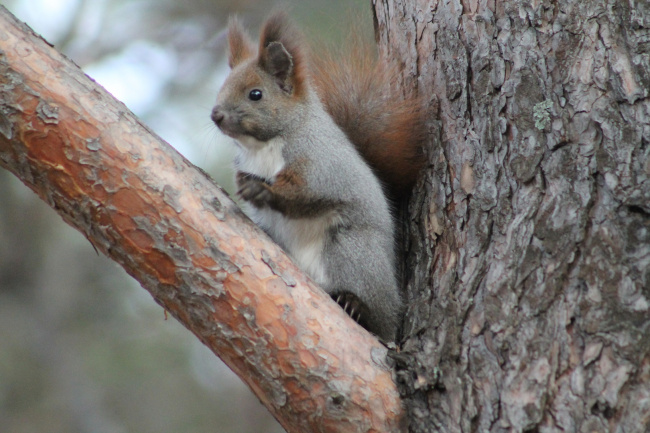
[388, 128]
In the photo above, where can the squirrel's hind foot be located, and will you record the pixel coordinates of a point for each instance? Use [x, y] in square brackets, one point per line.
[352, 305]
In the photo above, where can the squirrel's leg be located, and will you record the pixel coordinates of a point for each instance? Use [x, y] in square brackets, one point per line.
[288, 194]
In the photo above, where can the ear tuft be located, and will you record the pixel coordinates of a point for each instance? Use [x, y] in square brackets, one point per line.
[240, 45]
[281, 53]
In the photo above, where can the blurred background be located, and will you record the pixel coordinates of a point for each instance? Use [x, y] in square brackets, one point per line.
[83, 348]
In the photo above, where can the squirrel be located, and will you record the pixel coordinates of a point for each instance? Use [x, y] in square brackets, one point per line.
[318, 141]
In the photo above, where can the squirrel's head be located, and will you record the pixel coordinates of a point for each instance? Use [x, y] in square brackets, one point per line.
[262, 96]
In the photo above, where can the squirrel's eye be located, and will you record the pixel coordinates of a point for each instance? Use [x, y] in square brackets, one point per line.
[255, 95]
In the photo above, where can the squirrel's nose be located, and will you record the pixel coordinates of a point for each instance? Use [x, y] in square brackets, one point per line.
[217, 115]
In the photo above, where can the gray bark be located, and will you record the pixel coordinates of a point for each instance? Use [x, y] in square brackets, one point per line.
[529, 254]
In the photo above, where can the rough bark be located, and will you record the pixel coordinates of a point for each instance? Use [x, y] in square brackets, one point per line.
[143, 205]
[530, 236]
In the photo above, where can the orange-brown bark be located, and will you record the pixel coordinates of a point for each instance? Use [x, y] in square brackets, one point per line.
[142, 204]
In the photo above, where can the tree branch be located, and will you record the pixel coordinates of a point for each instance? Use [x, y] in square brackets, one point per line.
[143, 205]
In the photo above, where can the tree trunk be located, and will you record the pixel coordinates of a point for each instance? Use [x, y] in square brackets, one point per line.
[530, 235]
[143, 205]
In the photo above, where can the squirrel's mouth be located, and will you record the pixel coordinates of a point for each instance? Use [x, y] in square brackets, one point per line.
[228, 123]
[223, 120]
[227, 127]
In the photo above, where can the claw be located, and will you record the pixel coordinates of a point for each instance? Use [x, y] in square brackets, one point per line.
[347, 303]
[338, 298]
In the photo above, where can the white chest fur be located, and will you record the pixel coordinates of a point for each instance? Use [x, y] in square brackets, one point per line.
[260, 158]
[303, 238]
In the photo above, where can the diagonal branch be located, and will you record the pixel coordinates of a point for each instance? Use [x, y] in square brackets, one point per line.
[143, 205]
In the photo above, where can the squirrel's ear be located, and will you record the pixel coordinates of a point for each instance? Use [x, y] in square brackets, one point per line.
[240, 46]
[276, 60]
[281, 53]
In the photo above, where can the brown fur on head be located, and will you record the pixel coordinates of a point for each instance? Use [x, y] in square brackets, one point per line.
[263, 94]
[281, 53]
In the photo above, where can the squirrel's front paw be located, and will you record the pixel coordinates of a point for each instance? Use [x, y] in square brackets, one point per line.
[252, 189]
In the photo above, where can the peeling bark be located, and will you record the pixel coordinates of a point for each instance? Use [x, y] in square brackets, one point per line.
[529, 292]
[140, 203]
